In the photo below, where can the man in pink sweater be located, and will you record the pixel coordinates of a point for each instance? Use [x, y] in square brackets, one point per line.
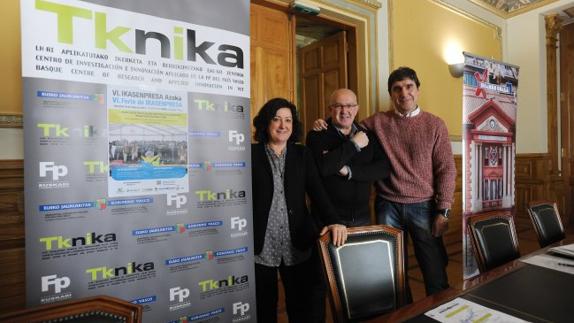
[418, 194]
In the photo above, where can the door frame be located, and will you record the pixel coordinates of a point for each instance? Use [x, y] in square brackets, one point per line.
[359, 18]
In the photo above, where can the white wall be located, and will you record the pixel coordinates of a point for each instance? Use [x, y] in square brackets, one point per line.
[383, 52]
[526, 44]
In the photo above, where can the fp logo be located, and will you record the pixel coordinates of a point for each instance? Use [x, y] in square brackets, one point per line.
[236, 136]
[59, 283]
[238, 223]
[57, 170]
[241, 308]
[180, 293]
[178, 199]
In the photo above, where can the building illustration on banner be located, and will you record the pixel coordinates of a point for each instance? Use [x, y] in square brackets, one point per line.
[489, 141]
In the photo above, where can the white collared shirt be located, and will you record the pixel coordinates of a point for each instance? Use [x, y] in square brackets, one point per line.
[411, 114]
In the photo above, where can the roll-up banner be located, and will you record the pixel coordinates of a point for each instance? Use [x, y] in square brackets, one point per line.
[137, 155]
[489, 143]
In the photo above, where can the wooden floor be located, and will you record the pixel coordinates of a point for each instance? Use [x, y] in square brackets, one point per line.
[527, 244]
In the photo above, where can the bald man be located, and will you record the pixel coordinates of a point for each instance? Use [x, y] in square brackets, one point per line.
[349, 159]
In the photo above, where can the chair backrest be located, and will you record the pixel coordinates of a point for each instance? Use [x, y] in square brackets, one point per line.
[494, 239]
[366, 275]
[547, 223]
[97, 309]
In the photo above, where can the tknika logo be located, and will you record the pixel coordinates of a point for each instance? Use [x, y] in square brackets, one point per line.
[232, 280]
[209, 106]
[104, 272]
[228, 194]
[172, 46]
[57, 130]
[61, 242]
[96, 167]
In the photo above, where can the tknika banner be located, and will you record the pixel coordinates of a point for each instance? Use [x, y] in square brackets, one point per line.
[137, 155]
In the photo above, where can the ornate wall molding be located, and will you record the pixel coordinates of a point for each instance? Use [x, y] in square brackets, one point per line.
[553, 24]
[472, 17]
[511, 11]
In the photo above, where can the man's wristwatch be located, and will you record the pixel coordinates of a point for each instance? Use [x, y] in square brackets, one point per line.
[444, 212]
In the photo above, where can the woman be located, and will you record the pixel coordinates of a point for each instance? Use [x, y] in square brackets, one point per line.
[284, 231]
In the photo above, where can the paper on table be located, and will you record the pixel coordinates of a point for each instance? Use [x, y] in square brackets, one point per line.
[462, 310]
[552, 262]
[566, 251]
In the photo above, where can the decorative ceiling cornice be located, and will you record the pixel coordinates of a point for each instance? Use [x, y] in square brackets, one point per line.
[510, 8]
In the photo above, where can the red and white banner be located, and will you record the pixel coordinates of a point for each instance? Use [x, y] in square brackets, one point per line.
[489, 142]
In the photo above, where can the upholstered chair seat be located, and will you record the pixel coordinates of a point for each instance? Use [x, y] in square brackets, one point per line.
[494, 239]
[547, 223]
[366, 274]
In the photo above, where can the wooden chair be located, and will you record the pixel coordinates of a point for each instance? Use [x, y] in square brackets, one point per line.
[98, 309]
[366, 276]
[547, 223]
[494, 239]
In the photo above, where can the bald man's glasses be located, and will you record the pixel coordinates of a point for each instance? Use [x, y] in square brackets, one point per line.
[338, 106]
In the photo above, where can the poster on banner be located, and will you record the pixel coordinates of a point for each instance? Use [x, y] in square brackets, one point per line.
[489, 143]
[138, 181]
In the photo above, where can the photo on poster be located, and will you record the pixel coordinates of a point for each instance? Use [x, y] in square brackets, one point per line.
[148, 148]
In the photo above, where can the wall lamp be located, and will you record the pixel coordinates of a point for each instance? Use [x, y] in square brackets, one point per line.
[456, 70]
[453, 56]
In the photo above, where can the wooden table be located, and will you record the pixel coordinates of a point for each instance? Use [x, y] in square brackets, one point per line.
[522, 290]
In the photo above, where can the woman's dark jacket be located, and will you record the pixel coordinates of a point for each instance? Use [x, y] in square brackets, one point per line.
[301, 177]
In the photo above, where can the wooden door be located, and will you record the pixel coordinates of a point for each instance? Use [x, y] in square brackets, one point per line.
[272, 56]
[323, 69]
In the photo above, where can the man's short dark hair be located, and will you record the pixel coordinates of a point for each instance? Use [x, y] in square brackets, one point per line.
[402, 73]
[268, 112]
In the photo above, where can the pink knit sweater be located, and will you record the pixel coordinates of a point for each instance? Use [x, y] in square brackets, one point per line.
[422, 164]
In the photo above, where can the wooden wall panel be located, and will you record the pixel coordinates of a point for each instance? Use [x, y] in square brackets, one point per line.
[12, 271]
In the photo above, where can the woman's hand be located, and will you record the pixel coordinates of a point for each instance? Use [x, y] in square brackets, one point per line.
[338, 233]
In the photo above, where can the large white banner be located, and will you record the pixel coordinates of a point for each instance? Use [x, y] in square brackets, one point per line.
[489, 143]
[137, 155]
